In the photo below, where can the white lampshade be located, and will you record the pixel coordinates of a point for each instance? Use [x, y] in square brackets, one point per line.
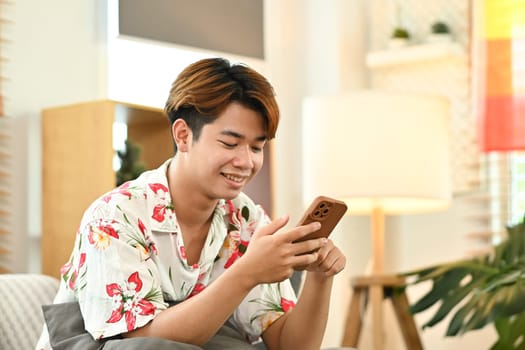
[377, 149]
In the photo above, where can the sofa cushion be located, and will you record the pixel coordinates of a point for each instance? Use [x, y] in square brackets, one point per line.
[21, 298]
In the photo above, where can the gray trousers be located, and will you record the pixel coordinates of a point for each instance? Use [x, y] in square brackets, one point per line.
[226, 338]
[66, 332]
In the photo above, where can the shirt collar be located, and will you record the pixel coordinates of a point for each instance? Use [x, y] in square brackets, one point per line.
[159, 205]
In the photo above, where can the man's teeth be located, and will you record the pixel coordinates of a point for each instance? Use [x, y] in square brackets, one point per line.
[233, 177]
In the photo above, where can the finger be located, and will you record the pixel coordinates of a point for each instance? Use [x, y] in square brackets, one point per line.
[299, 232]
[302, 261]
[310, 245]
[325, 250]
[338, 266]
[300, 268]
[327, 262]
[333, 265]
[328, 256]
[321, 255]
[272, 227]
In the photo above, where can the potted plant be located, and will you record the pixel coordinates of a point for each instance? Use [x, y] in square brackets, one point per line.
[480, 291]
[399, 38]
[130, 164]
[439, 32]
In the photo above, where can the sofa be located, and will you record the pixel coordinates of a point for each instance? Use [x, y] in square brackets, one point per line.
[21, 298]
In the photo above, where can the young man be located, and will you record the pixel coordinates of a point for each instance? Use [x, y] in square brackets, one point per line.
[180, 258]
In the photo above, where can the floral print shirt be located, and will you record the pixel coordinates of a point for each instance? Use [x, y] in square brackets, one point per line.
[129, 260]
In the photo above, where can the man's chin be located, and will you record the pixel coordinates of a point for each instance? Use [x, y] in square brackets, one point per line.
[228, 195]
[231, 196]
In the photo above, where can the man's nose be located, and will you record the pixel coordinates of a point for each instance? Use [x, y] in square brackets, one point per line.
[244, 157]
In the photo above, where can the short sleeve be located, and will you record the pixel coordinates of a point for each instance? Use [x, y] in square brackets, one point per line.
[113, 276]
[263, 306]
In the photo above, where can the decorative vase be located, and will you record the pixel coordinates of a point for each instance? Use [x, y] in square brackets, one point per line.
[439, 38]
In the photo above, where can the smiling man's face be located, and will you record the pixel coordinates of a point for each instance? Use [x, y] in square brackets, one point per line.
[228, 152]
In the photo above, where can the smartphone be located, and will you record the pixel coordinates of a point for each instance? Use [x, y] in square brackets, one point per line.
[325, 210]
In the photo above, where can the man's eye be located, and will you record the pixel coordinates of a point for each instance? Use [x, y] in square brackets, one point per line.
[257, 149]
[228, 145]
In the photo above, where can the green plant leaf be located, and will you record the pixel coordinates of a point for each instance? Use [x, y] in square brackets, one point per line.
[400, 32]
[477, 292]
[510, 333]
[441, 285]
[456, 323]
[453, 298]
[440, 28]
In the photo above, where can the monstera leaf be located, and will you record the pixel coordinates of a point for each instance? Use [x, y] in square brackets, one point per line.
[480, 291]
[510, 333]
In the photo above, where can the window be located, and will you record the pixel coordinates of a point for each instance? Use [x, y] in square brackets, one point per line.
[517, 187]
[503, 116]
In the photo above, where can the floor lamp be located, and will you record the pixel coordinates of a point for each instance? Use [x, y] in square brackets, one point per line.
[383, 153]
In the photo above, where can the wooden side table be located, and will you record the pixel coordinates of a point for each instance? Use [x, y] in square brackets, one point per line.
[376, 288]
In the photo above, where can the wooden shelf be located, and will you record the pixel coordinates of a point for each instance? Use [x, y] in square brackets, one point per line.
[77, 143]
[415, 53]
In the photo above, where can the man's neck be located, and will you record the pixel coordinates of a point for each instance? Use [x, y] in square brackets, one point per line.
[193, 209]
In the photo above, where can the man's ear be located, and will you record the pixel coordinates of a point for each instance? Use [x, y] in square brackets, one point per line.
[181, 135]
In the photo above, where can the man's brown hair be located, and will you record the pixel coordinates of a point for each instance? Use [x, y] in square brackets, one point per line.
[204, 89]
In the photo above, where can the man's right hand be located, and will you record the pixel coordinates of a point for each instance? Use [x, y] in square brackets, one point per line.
[272, 255]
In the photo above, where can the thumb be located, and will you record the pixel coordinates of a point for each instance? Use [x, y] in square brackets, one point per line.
[272, 227]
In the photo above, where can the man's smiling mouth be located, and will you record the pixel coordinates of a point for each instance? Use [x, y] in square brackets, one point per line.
[234, 178]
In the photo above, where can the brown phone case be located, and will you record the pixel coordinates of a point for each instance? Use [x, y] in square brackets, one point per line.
[327, 211]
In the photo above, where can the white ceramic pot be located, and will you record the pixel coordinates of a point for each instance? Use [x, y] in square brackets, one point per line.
[439, 38]
[395, 43]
